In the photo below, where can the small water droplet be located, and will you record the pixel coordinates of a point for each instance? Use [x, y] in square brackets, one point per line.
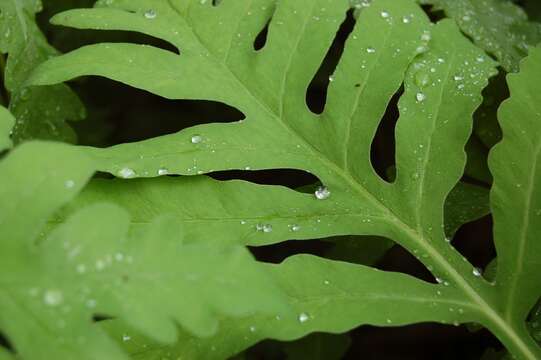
[252, 328]
[53, 297]
[295, 228]
[476, 271]
[385, 14]
[331, 78]
[422, 79]
[303, 317]
[420, 97]
[69, 184]
[126, 337]
[196, 139]
[150, 14]
[322, 193]
[370, 50]
[126, 173]
[267, 228]
[163, 171]
[81, 268]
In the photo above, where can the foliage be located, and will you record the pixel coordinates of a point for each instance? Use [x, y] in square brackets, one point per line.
[159, 252]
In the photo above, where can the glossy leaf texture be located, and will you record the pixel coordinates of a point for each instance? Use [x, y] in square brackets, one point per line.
[498, 26]
[392, 44]
[42, 112]
[53, 283]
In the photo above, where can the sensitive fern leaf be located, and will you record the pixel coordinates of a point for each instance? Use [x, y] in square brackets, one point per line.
[498, 26]
[50, 291]
[392, 44]
[40, 112]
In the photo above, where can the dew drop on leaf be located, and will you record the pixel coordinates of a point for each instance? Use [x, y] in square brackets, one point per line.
[150, 14]
[196, 139]
[303, 317]
[126, 173]
[476, 272]
[420, 97]
[53, 297]
[322, 193]
[163, 171]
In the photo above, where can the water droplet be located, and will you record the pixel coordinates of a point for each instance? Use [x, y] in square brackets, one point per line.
[81, 268]
[126, 337]
[163, 171]
[385, 14]
[370, 50]
[267, 228]
[406, 20]
[420, 97]
[322, 193]
[458, 78]
[303, 317]
[331, 78]
[295, 227]
[150, 14]
[126, 173]
[476, 272]
[426, 36]
[69, 184]
[196, 139]
[252, 328]
[53, 297]
[243, 222]
[326, 282]
[422, 79]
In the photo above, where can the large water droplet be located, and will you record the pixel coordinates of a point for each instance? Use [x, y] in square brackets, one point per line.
[322, 193]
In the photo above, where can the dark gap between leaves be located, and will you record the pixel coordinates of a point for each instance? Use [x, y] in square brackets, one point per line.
[475, 242]
[6, 344]
[290, 178]
[125, 114]
[383, 148]
[423, 341]
[316, 94]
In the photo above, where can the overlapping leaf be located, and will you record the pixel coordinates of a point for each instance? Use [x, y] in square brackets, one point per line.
[40, 112]
[498, 26]
[443, 75]
[91, 265]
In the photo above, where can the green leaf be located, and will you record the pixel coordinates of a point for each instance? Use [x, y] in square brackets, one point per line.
[516, 193]
[443, 75]
[6, 125]
[92, 265]
[41, 112]
[328, 296]
[497, 26]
